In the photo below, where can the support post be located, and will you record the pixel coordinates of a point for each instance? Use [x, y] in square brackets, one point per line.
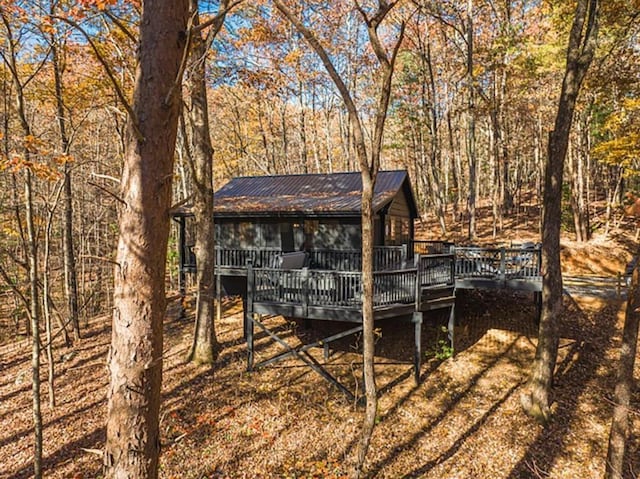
[453, 266]
[451, 326]
[248, 316]
[305, 288]
[249, 328]
[537, 297]
[417, 355]
[503, 265]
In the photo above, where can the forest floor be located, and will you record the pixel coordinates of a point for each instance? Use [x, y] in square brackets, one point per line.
[463, 420]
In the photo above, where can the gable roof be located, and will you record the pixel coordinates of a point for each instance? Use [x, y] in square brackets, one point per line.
[332, 194]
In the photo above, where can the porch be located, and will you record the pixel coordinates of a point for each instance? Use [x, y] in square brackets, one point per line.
[409, 282]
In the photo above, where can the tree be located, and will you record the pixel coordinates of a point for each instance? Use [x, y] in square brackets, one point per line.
[471, 127]
[622, 148]
[579, 160]
[368, 157]
[536, 400]
[205, 347]
[422, 114]
[26, 164]
[135, 361]
[625, 383]
[70, 277]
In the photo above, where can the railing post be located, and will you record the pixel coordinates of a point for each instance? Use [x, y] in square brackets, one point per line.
[503, 264]
[305, 289]
[418, 283]
[218, 294]
[453, 259]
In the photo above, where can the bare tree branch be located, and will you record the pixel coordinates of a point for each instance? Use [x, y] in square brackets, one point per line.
[105, 65]
[333, 73]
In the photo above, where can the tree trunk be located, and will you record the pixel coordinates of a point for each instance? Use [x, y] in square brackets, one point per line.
[31, 249]
[133, 442]
[47, 300]
[434, 152]
[368, 345]
[578, 208]
[537, 400]
[205, 347]
[304, 151]
[625, 384]
[456, 170]
[34, 300]
[369, 162]
[70, 278]
[612, 193]
[471, 126]
[494, 166]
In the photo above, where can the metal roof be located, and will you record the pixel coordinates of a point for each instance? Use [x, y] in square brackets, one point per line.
[333, 194]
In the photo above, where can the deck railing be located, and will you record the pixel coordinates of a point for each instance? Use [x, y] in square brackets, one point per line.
[307, 287]
[337, 260]
[500, 263]
[394, 287]
[428, 247]
[241, 257]
[384, 258]
[470, 262]
[436, 270]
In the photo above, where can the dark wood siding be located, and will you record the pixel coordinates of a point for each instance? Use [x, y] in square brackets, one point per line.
[398, 221]
[317, 232]
[291, 235]
[399, 206]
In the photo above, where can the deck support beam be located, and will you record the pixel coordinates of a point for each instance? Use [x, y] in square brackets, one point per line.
[451, 326]
[417, 354]
[248, 318]
[301, 353]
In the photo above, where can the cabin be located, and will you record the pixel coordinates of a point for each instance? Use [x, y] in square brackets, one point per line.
[312, 211]
[291, 246]
[258, 218]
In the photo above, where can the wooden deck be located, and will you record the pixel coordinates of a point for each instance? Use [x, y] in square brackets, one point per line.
[409, 282]
[337, 295]
[475, 267]
[504, 268]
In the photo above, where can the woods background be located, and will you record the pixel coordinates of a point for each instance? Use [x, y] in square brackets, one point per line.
[68, 65]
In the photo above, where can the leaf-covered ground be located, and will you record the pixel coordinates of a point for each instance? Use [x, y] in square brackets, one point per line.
[462, 421]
